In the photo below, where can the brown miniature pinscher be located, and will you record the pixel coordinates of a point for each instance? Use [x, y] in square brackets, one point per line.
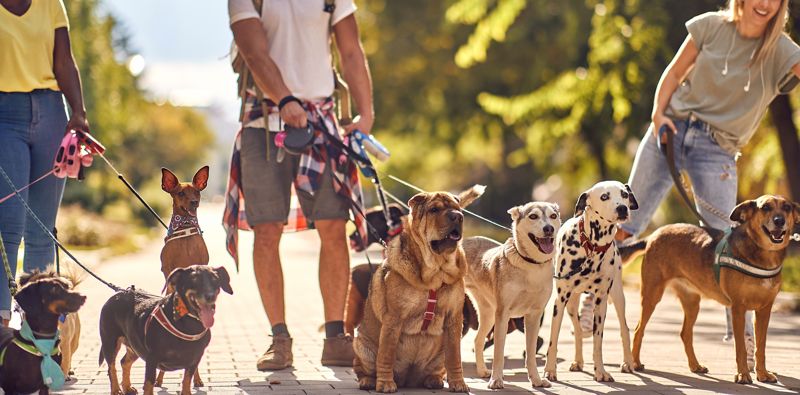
[169, 333]
[44, 297]
[184, 245]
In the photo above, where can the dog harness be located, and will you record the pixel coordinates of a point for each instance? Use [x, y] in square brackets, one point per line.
[724, 258]
[429, 309]
[587, 244]
[161, 318]
[182, 226]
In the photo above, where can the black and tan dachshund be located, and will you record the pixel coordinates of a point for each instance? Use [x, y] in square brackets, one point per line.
[43, 297]
[169, 333]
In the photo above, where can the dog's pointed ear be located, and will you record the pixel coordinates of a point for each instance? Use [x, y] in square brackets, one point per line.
[169, 182]
[200, 179]
[178, 275]
[743, 211]
[556, 208]
[634, 204]
[29, 299]
[224, 279]
[417, 200]
[515, 212]
[470, 195]
[581, 205]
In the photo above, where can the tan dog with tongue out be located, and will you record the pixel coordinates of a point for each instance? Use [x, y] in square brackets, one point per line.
[514, 279]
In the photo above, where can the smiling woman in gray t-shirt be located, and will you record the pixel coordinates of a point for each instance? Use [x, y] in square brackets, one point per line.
[712, 96]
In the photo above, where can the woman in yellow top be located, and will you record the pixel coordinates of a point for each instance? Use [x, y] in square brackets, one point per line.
[37, 72]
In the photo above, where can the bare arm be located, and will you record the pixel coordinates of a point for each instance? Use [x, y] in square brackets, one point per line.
[356, 72]
[69, 81]
[252, 43]
[672, 77]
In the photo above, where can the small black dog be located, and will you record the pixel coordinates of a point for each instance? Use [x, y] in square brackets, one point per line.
[169, 333]
[43, 297]
[380, 228]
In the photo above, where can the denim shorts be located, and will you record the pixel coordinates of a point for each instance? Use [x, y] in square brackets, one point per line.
[31, 127]
[711, 171]
[267, 184]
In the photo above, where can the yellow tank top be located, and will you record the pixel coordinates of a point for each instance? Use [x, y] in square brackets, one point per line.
[26, 46]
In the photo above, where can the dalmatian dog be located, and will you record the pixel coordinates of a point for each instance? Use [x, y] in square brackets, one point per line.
[587, 260]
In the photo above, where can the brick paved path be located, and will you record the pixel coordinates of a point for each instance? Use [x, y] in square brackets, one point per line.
[241, 329]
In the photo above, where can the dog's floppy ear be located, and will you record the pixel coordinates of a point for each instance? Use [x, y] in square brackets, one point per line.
[416, 200]
[634, 204]
[178, 275]
[224, 279]
[743, 211]
[470, 195]
[169, 182]
[29, 298]
[515, 212]
[581, 205]
[200, 179]
[796, 211]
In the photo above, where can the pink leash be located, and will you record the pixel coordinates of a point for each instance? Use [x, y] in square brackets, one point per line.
[74, 154]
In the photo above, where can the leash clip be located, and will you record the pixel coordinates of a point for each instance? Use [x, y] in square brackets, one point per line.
[795, 237]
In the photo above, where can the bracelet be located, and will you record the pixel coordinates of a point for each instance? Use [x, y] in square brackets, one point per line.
[286, 100]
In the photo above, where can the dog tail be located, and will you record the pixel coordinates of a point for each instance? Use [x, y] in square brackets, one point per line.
[632, 251]
[470, 195]
[100, 361]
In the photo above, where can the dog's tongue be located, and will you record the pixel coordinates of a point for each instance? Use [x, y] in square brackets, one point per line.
[207, 316]
[545, 244]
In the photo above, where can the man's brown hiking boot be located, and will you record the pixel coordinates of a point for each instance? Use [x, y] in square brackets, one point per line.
[338, 351]
[278, 355]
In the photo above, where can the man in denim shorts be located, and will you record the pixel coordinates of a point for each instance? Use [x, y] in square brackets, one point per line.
[286, 47]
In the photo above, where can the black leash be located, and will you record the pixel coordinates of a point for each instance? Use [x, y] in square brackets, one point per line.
[669, 151]
[133, 190]
[50, 234]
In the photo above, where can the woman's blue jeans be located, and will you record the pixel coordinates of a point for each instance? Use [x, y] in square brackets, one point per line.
[32, 125]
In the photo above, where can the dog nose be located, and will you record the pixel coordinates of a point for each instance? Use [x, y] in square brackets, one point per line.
[622, 211]
[548, 230]
[455, 216]
[195, 203]
[779, 220]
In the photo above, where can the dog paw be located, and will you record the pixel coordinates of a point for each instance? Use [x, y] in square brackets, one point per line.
[638, 366]
[625, 368]
[129, 391]
[199, 383]
[433, 382]
[602, 376]
[484, 373]
[743, 378]
[116, 390]
[539, 383]
[576, 367]
[366, 383]
[458, 386]
[496, 383]
[766, 377]
[550, 374]
[386, 386]
[699, 369]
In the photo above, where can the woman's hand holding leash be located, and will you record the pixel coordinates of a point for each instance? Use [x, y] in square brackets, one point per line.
[78, 122]
[659, 121]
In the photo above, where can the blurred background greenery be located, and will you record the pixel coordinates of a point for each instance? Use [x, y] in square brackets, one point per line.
[536, 99]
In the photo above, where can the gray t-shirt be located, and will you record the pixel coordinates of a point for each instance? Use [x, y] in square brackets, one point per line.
[732, 102]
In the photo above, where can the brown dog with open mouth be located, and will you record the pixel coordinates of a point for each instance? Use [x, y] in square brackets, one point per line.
[411, 331]
[744, 273]
[169, 333]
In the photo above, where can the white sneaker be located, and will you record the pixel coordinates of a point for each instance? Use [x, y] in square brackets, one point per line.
[586, 314]
[750, 345]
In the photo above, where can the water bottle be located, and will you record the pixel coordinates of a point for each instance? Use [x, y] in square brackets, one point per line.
[371, 145]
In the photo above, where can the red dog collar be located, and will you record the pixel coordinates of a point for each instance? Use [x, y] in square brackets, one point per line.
[588, 246]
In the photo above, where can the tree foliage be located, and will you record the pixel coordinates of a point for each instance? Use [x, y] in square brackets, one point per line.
[140, 136]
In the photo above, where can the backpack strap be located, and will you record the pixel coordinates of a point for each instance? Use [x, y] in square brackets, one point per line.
[340, 88]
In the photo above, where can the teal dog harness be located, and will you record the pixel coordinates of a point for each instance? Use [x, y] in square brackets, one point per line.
[724, 258]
